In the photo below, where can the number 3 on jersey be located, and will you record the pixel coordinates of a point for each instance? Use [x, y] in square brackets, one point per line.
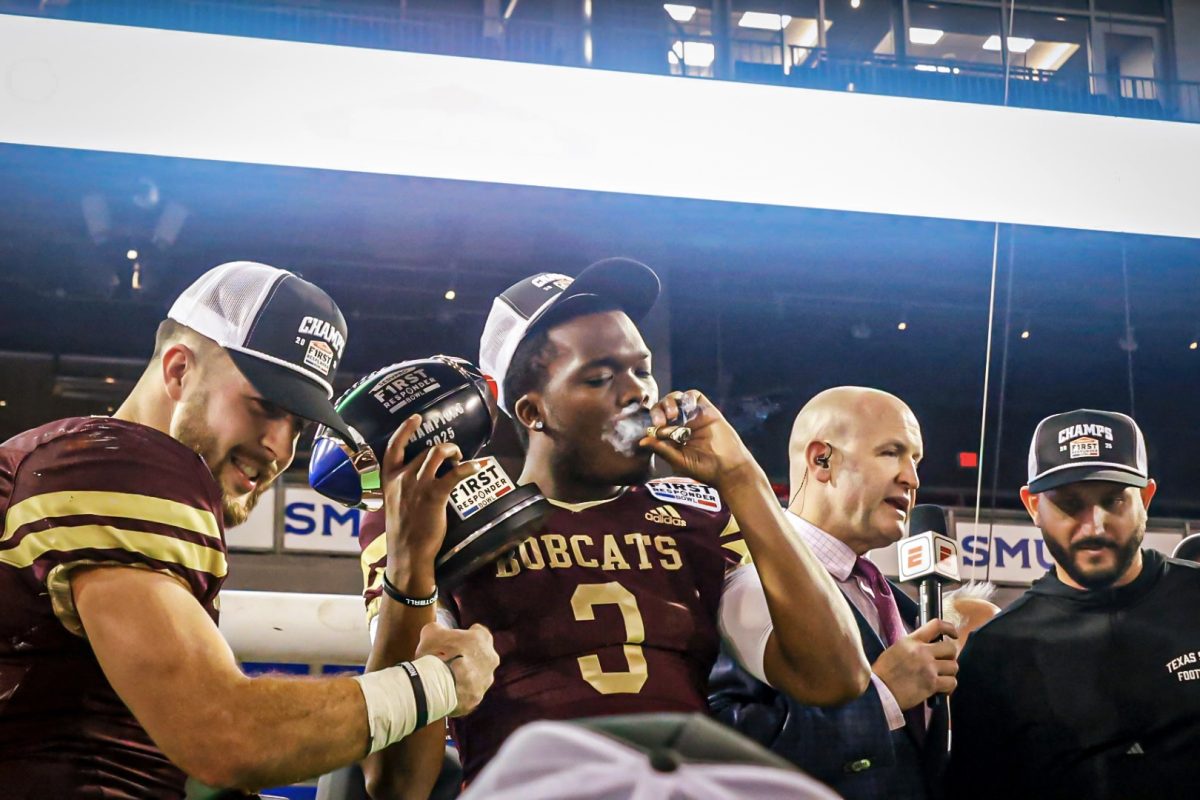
[589, 595]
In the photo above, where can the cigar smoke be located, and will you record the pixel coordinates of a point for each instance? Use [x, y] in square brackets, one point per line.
[630, 427]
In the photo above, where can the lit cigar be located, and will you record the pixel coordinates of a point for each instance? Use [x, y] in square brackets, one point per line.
[667, 433]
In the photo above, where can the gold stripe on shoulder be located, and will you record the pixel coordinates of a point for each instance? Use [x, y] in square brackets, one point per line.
[106, 537]
[741, 549]
[731, 528]
[374, 551]
[62, 602]
[111, 504]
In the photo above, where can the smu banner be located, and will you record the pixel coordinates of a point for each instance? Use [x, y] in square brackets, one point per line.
[1016, 552]
[311, 523]
[314, 523]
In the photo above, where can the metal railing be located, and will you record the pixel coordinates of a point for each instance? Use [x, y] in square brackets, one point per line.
[1115, 95]
[662, 50]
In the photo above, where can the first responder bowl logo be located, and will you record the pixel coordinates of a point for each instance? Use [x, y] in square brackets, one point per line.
[475, 492]
[1085, 447]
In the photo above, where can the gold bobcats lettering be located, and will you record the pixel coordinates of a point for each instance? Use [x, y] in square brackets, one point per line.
[556, 550]
[612, 554]
[609, 552]
[507, 566]
[577, 540]
[531, 554]
[666, 546]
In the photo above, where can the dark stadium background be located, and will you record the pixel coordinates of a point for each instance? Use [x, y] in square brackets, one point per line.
[764, 306]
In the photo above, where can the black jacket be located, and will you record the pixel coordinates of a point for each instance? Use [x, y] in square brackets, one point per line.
[1084, 694]
[849, 747]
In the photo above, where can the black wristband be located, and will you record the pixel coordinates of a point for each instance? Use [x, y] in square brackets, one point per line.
[390, 589]
[418, 693]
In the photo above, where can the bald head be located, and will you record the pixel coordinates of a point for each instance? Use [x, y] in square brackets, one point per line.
[835, 415]
[874, 442]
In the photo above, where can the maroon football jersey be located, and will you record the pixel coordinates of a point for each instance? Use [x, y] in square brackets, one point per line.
[77, 492]
[611, 608]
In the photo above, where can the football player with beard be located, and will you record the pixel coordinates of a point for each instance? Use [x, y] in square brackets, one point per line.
[1088, 685]
[114, 679]
[618, 603]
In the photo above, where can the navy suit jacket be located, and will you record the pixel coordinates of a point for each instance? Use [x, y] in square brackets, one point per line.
[849, 747]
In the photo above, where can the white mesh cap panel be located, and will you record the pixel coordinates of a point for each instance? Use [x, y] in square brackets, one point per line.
[224, 301]
[501, 334]
[1143, 462]
[1032, 464]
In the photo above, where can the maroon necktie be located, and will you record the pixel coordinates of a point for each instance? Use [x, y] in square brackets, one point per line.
[891, 626]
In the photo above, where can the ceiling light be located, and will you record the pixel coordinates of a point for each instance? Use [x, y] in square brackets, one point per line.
[131, 255]
[855, 3]
[1061, 19]
[925, 35]
[1016, 44]
[925, 68]
[902, 326]
[109, 379]
[764, 21]
[3, 403]
[694, 54]
[680, 13]
[1191, 346]
[1025, 334]
[450, 294]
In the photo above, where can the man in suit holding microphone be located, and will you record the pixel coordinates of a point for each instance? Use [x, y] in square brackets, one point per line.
[854, 454]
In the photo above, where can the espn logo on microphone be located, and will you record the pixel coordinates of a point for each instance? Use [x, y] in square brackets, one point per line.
[928, 554]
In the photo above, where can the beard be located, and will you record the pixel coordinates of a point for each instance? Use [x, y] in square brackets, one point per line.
[192, 431]
[1066, 557]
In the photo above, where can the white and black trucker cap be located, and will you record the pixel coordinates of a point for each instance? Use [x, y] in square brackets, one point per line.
[1087, 445]
[548, 297]
[285, 335]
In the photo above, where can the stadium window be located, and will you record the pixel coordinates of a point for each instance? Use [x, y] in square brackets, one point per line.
[1059, 45]
[965, 32]
[773, 33]
[1067, 5]
[858, 30]
[1147, 8]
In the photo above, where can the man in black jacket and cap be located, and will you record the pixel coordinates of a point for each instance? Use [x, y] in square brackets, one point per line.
[1089, 684]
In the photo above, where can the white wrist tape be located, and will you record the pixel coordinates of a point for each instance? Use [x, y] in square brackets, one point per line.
[392, 701]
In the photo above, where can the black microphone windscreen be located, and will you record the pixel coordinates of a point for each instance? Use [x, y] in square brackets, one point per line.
[927, 517]
[1188, 549]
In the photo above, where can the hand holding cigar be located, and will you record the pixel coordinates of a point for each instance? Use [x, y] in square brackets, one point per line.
[678, 432]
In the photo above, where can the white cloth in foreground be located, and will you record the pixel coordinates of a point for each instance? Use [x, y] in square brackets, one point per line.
[561, 761]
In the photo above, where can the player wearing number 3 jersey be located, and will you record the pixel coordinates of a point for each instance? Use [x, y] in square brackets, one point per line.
[610, 609]
[618, 603]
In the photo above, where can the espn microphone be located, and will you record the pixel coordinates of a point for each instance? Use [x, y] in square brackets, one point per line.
[928, 557]
[1188, 549]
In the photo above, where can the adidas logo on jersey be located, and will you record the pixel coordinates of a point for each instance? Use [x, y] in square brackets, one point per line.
[666, 515]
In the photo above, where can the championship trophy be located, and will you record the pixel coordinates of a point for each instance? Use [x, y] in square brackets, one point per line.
[488, 513]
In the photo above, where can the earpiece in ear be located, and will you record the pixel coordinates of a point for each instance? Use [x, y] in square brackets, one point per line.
[823, 461]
